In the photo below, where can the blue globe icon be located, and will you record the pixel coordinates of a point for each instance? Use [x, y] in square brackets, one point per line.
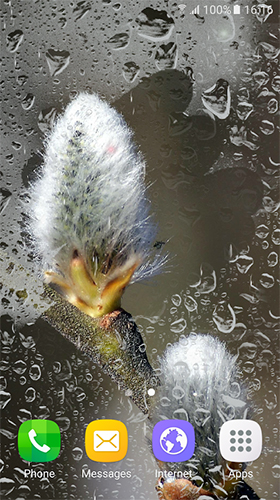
[173, 440]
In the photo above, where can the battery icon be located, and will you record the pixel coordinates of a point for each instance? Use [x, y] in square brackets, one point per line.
[236, 9]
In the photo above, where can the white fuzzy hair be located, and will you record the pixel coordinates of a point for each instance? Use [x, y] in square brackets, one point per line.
[200, 383]
[91, 196]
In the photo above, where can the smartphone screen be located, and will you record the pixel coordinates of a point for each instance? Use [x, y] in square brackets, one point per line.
[198, 85]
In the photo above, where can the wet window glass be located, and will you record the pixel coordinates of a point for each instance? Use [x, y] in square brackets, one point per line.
[198, 238]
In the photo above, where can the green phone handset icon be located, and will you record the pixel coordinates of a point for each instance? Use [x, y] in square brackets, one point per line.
[32, 434]
[39, 440]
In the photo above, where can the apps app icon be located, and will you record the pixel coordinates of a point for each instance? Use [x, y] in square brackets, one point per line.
[39, 440]
[106, 440]
[173, 440]
[240, 440]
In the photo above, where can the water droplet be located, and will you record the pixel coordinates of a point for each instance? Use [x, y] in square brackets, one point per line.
[224, 317]
[165, 401]
[272, 259]
[267, 281]
[7, 485]
[201, 416]
[154, 24]
[247, 350]
[4, 199]
[181, 414]
[30, 395]
[263, 13]
[261, 78]
[178, 392]
[77, 453]
[57, 367]
[46, 119]
[271, 400]
[276, 471]
[208, 280]
[190, 303]
[27, 342]
[14, 40]
[80, 9]
[4, 365]
[80, 394]
[176, 299]
[267, 127]
[57, 61]
[234, 390]
[35, 372]
[142, 347]
[275, 84]
[275, 237]
[244, 263]
[270, 205]
[117, 6]
[3, 383]
[28, 102]
[166, 56]
[265, 245]
[19, 367]
[178, 326]
[16, 145]
[272, 106]
[241, 136]
[5, 398]
[262, 231]
[119, 41]
[269, 51]
[24, 415]
[63, 423]
[179, 123]
[217, 99]
[130, 71]
[243, 110]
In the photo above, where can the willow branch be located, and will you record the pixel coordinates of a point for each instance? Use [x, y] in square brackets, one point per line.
[112, 342]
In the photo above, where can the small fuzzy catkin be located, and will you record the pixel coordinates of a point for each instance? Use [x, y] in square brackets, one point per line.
[200, 382]
[89, 214]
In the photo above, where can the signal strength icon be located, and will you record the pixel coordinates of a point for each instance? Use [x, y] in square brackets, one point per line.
[196, 10]
[182, 7]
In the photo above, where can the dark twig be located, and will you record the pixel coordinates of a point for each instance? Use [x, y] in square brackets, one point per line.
[113, 342]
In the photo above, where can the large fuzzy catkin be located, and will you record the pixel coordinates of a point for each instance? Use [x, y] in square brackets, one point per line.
[89, 214]
[200, 382]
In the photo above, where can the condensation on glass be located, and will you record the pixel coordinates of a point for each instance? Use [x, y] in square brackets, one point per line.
[201, 94]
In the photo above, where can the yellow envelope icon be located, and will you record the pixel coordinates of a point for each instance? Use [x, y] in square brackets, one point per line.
[106, 440]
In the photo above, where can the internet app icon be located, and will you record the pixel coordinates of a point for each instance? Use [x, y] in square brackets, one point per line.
[39, 440]
[173, 440]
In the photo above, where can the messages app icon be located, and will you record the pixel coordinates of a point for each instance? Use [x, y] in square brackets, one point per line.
[106, 440]
[39, 440]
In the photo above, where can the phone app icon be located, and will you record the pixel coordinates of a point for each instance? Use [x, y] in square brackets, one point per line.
[39, 440]
[240, 440]
[173, 440]
[106, 440]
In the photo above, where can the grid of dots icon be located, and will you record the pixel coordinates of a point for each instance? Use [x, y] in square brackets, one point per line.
[240, 439]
